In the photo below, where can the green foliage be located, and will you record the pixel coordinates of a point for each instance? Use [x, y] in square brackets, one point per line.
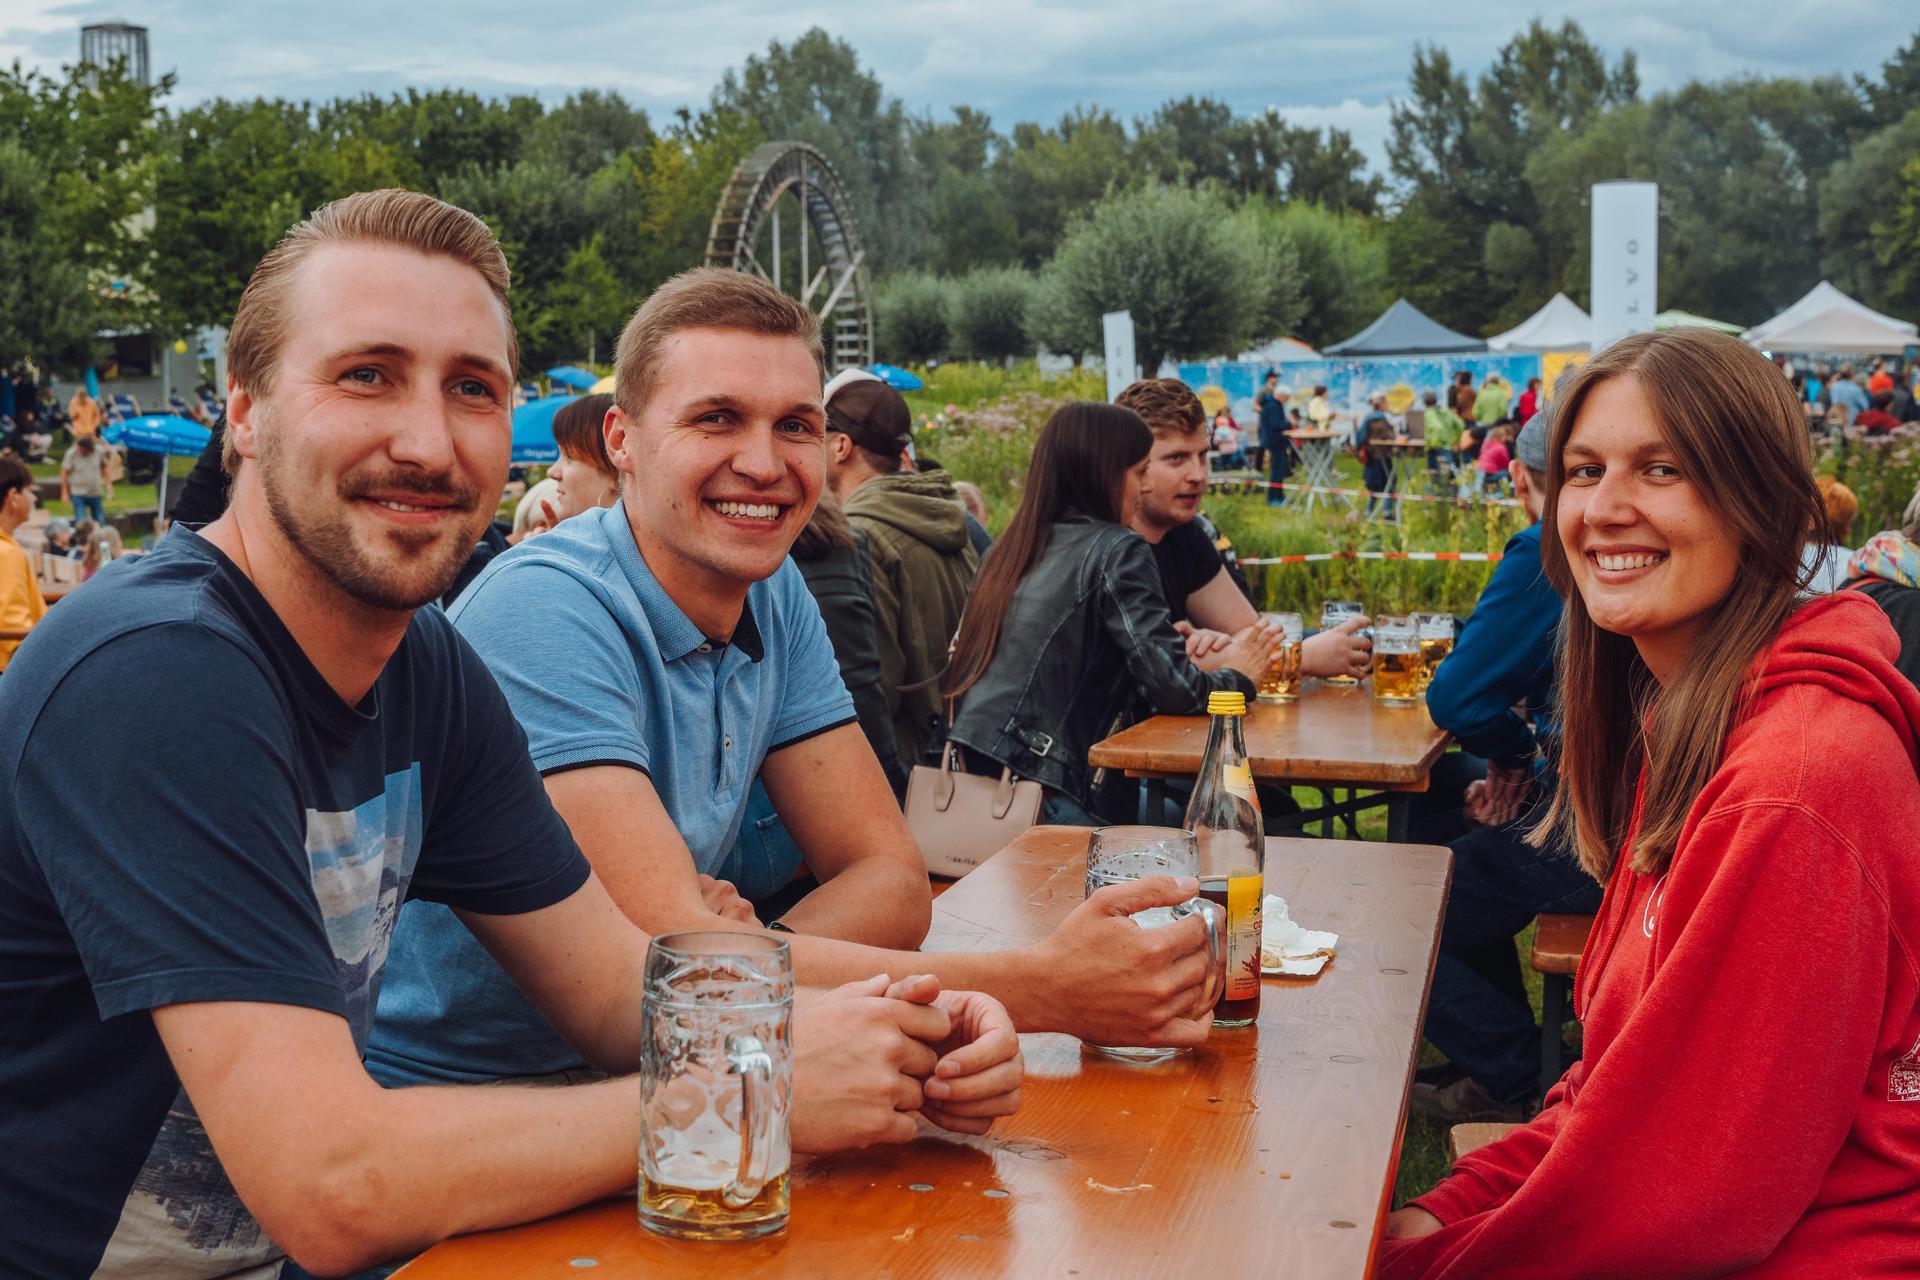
[1861, 191]
[910, 317]
[46, 308]
[1896, 243]
[988, 313]
[1340, 266]
[1196, 280]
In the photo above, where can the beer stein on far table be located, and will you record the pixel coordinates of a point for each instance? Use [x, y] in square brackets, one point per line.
[1436, 642]
[716, 1076]
[1281, 681]
[1117, 855]
[1332, 614]
[1396, 662]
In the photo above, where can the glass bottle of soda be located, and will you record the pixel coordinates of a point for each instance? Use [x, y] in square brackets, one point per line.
[1224, 816]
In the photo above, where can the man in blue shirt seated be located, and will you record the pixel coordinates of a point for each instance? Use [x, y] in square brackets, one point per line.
[189, 956]
[1494, 692]
[662, 653]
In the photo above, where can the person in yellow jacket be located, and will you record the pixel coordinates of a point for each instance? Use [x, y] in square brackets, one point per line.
[20, 603]
[83, 414]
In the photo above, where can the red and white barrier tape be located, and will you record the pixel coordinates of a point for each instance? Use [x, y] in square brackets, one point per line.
[1316, 557]
[1253, 485]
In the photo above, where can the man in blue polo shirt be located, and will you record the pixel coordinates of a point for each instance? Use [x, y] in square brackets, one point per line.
[189, 957]
[663, 652]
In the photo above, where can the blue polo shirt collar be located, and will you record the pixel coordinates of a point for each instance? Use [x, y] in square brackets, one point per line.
[673, 630]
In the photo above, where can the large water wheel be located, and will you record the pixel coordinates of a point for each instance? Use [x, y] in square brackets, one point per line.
[784, 216]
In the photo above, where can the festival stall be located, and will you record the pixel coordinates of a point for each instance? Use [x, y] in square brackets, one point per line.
[1828, 321]
[1561, 325]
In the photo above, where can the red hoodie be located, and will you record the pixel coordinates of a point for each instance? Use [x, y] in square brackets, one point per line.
[1749, 1098]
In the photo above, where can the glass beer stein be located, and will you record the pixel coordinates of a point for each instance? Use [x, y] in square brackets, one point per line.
[716, 1077]
[1281, 682]
[1119, 854]
[1436, 642]
[1332, 614]
[1396, 662]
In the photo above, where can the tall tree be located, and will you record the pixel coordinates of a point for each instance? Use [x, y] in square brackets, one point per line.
[1856, 193]
[1049, 176]
[1340, 267]
[589, 131]
[1898, 90]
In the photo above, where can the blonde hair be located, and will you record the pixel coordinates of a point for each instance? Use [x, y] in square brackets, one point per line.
[528, 508]
[392, 216]
[705, 298]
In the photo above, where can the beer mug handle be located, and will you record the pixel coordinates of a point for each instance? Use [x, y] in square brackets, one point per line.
[1216, 922]
[749, 1060]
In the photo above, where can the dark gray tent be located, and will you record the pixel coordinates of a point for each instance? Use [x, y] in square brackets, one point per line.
[1404, 330]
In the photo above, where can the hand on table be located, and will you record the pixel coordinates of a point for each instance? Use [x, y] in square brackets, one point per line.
[859, 1057]
[1411, 1223]
[1337, 651]
[721, 898]
[980, 1070]
[1103, 978]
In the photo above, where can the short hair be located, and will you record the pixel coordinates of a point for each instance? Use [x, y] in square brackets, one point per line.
[1841, 506]
[1430, 397]
[14, 474]
[578, 428]
[1166, 404]
[705, 298]
[391, 216]
[1846, 370]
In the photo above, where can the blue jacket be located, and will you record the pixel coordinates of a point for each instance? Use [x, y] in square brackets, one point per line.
[1273, 421]
[1503, 659]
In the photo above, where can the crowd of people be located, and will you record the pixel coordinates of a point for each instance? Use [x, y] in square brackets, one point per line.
[447, 780]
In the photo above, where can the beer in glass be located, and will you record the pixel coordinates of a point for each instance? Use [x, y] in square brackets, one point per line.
[1332, 614]
[716, 1079]
[1436, 642]
[1281, 682]
[1396, 662]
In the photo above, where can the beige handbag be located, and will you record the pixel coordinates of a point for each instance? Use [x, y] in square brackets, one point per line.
[960, 819]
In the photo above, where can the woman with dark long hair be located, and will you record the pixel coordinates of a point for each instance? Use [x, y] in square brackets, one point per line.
[1067, 618]
[1737, 766]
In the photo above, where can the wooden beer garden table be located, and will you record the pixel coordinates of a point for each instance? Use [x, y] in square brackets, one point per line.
[1269, 1151]
[1335, 736]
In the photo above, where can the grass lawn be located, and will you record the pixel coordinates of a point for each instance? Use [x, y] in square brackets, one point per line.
[126, 497]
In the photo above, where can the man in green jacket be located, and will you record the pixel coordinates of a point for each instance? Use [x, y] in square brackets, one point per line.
[916, 530]
[1490, 406]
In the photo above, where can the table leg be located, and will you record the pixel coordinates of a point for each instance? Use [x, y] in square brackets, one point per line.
[1156, 798]
[1398, 804]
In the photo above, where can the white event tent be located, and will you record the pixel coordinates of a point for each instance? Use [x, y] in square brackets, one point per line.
[1559, 326]
[1828, 320]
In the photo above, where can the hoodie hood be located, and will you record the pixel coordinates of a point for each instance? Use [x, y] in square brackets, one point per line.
[921, 504]
[1843, 643]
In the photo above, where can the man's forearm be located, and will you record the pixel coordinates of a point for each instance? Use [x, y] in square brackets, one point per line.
[876, 901]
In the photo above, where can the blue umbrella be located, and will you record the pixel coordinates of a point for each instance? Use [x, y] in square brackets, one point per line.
[533, 429]
[160, 433]
[572, 376]
[897, 378]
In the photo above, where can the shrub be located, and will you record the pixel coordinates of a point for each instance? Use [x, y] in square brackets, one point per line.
[910, 317]
[988, 319]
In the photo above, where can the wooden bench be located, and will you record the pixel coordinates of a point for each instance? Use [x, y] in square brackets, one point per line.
[1557, 944]
[1463, 1138]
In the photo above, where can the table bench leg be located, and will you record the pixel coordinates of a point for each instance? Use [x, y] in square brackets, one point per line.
[1554, 991]
[1154, 802]
[1397, 816]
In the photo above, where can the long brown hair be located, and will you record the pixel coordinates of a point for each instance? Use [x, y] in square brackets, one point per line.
[1079, 463]
[1738, 433]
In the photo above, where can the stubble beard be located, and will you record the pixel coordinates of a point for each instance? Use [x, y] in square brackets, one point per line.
[419, 573]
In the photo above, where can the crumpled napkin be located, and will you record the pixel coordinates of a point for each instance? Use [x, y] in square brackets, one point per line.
[1286, 948]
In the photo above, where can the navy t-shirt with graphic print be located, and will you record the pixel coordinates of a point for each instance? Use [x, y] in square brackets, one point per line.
[241, 833]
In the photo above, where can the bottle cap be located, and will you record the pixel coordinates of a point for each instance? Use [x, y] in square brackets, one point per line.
[1226, 702]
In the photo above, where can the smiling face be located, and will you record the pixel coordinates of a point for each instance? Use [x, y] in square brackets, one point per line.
[382, 445]
[1175, 480]
[1650, 558]
[723, 464]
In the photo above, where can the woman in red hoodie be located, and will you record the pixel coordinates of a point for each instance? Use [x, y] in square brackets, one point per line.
[1738, 766]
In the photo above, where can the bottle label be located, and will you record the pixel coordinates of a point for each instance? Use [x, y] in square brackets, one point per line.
[1243, 936]
[1238, 780]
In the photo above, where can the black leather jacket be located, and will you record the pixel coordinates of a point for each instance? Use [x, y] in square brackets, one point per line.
[1087, 626]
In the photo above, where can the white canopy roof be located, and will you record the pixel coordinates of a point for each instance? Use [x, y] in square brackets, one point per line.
[1559, 326]
[1828, 320]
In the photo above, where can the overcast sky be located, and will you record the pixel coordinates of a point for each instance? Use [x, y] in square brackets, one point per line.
[1319, 61]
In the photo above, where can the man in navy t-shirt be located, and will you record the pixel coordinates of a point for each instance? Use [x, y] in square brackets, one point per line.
[191, 944]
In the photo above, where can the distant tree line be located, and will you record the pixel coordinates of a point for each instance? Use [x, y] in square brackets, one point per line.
[1215, 229]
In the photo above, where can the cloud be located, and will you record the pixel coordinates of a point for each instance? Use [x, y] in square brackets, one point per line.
[1323, 63]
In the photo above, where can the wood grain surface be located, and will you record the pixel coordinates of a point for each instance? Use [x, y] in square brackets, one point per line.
[1269, 1151]
[1334, 734]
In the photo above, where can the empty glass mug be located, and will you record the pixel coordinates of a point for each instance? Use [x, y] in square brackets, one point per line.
[1332, 614]
[1116, 855]
[716, 1077]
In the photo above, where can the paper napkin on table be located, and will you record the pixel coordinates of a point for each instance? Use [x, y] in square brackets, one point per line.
[1287, 948]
